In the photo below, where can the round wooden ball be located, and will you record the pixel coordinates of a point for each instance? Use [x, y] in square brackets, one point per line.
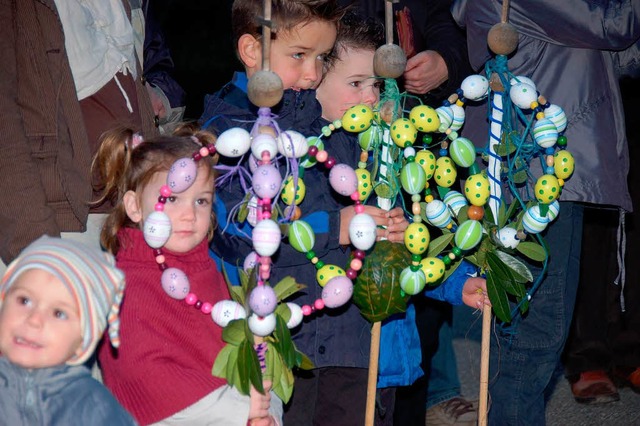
[389, 61]
[264, 89]
[502, 38]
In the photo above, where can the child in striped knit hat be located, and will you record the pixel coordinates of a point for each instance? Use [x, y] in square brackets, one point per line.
[55, 300]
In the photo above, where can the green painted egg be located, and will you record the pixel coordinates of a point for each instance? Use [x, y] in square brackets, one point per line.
[547, 189]
[446, 172]
[424, 118]
[412, 282]
[364, 183]
[327, 272]
[290, 194]
[311, 161]
[476, 189]
[403, 132]
[370, 138]
[301, 236]
[416, 238]
[357, 119]
[412, 178]
[468, 234]
[462, 152]
[433, 269]
[563, 164]
[427, 160]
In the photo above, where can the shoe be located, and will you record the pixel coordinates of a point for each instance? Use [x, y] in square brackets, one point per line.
[627, 376]
[456, 411]
[594, 387]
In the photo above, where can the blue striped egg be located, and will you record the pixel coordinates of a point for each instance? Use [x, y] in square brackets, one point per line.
[455, 201]
[533, 222]
[458, 117]
[445, 114]
[557, 116]
[438, 214]
[554, 210]
[545, 133]
[412, 282]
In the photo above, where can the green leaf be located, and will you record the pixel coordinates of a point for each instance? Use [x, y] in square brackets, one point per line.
[280, 376]
[519, 177]
[236, 292]
[451, 269]
[233, 375]
[243, 211]
[249, 368]
[462, 214]
[481, 255]
[220, 365]
[503, 276]
[234, 333]
[502, 214]
[504, 150]
[499, 299]
[519, 270]
[533, 251]
[513, 207]
[488, 215]
[436, 246]
[283, 311]
[287, 287]
[423, 212]
[472, 258]
[303, 362]
[283, 342]
[383, 190]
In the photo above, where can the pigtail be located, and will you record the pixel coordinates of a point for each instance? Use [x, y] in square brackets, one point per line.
[111, 161]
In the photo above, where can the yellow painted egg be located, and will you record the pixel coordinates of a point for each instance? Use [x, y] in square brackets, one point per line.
[416, 238]
[289, 192]
[427, 160]
[476, 189]
[563, 164]
[446, 172]
[433, 269]
[424, 118]
[403, 132]
[364, 183]
[357, 119]
[547, 189]
[327, 272]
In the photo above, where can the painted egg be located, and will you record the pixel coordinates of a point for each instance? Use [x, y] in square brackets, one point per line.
[554, 210]
[433, 269]
[533, 222]
[403, 132]
[557, 116]
[475, 87]
[357, 119]
[462, 152]
[446, 172]
[370, 138]
[182, 174]
[522, 79]
[416, 238]
[507, 237]
[311, 161]
[263, 300]
[427, 160]
[234, 142]
[252, 211]
[476, 189]
[445, 114]
[455, 201]
[563, 164]
[327, 272]
[266, 237]
[343, 179]
[424, 118]
[291, 193]
[458, 117]
[251, 261]
[262, 326]
[175, 283]
[296, 315]
[412, 282]
[412, 178]
[545, 133]
[225, 311]
[292, 144]
[337, 291]
[547, 189]
[523, 95]
[438, 214]
[253, 163]
[266, 181]
[264, 142]
[362, 231]
[301, 236]
[468, 234]
[157, 229]
[364, 183]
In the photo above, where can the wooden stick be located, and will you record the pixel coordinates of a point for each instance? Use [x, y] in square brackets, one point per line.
[373, 374]
[266, 36]
[484, 366]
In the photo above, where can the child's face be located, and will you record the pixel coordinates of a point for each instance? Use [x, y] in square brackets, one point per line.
[39, 322]
[348, 83]
[298, 56]
[189, 211]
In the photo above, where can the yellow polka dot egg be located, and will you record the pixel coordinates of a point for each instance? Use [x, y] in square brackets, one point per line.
[416, 238]
[403, 132]
[563, 164]
[476, 189]
[424, 118]
[446, 172]
[547, 189]
[357, 119]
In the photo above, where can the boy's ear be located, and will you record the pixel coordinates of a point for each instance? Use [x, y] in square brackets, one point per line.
[250, 51]
[132, 206]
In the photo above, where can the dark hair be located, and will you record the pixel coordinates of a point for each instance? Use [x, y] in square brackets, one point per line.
[123, 167]
[357, 33]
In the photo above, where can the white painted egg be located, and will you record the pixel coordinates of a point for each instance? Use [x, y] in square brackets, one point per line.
[522, 79]
[458, 117]
[296, 315]
[266, 237]
[234, 142]
[523, 95]
[262, 326]
[266, 181]
[507, 237]
[438, 214]
[545, 133]
[292, 144]
[343, 179]
[225, 311]
[251, 261]
[362, 231]
[157, 229]
[175, 283]
[557, 116]
[475, 87]
[182, 174]
[337, 291]
[264, 142]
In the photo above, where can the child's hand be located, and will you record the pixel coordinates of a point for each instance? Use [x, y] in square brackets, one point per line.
[474, 293]
[393, 220]
[398, 223]
[263, 421]
[259, 403]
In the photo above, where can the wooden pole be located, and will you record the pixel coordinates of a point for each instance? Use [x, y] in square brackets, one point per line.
[373, 374]
[484, 366]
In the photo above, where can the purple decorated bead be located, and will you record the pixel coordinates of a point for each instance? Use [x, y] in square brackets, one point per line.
[263, 300]
[175, 283]
[337, 291]
[266, 181]
[182, 174]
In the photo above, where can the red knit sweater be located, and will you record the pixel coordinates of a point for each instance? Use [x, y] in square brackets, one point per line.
[167, 348]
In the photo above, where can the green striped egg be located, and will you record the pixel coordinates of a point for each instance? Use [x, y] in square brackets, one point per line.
[370, 138]
[468, 235]
[533, 222]
[412, 178]
[462, 152]
[308, 161]
[545, 133]
[412, 282]
[301, 236]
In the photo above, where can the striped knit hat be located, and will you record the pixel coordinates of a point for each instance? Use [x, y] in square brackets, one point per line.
[91, 277]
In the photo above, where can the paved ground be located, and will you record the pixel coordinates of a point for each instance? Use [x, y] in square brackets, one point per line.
[562, 410]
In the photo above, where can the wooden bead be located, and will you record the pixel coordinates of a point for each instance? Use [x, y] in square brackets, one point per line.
[268, 130]
[549, 160]
[389, 61]
[502, 38]
[264, 89]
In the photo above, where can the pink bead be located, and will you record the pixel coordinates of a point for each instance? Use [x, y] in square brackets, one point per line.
[351, 274]
[206, 306]
[264, 275]
[160, 258]
[212, 148]
[359, 208]
[355, 196]
[266, 157]
[358, 254]
[318, 304]
[266, 215]
[159, 207]
[165, 191]
[264, 267]
[191, 299]
[322, 156]
[306, 310]
[330, 162]
[204, 151]
[356, 264]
